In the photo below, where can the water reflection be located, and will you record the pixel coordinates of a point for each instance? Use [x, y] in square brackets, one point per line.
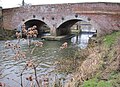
[81, 40]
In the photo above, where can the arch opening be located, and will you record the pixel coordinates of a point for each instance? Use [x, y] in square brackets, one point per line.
[64, 28]
[42, 27]
[74, 25]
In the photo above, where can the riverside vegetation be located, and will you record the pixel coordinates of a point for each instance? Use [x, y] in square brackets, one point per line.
[6, 34]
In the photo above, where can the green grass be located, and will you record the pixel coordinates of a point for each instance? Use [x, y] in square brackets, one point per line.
[90, 83]
[96, 83]
[111, 39]
[104, 84]
[115, 79]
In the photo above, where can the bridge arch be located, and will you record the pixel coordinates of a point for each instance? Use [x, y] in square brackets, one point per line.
[42, 27]
[64, 28]
[70, 20]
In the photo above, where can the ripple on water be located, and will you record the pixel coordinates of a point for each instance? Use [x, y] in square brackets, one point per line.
[45, 57]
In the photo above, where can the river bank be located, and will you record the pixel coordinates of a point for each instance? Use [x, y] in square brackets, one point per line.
[7, 34]
[101, 64]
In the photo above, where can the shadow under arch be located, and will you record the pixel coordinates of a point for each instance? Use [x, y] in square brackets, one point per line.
[64, 28]
[42, 27]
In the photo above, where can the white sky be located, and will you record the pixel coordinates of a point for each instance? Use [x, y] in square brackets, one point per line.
[16, 3]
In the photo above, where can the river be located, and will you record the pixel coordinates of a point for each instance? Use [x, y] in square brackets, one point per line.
[47, 57]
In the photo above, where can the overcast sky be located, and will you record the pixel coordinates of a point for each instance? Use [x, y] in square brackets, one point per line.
[16, 3]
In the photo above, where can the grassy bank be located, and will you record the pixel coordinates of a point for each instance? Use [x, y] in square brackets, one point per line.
[108, 74]
[101, 67]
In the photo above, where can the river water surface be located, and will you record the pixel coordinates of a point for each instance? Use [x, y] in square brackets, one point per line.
[47, 57]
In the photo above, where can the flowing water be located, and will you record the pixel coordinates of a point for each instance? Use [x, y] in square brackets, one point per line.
[47, 57]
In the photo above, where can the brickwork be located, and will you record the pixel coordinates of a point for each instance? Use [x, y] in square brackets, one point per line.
[105, 17]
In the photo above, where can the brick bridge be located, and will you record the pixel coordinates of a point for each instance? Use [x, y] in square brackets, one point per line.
[104, 17]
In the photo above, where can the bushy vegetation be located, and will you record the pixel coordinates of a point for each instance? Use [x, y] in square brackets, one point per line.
[7, 34]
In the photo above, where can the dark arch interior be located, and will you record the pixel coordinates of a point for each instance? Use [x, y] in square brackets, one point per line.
[64, 29]
[41, 26]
